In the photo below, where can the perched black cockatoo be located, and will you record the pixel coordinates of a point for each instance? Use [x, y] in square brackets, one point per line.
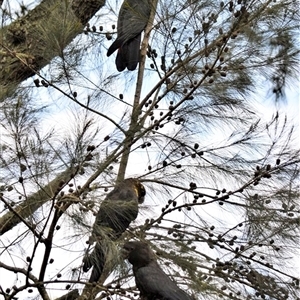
[132, 20]
[116, 212]
[152, 282]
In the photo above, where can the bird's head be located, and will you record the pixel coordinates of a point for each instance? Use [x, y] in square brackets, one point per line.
[138, 253]
[139, 188]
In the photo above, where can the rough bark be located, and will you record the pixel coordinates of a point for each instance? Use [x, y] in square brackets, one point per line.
[32, 41]
[30, 205]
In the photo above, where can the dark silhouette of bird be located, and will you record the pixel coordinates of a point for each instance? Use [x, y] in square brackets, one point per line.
[116, 212]
[132, 20]
[152, 282]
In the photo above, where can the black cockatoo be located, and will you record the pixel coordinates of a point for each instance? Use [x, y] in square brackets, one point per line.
[132, 20]
[152, 282]
[116, 212]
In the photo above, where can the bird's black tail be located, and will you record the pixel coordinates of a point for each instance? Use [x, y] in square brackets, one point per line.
[96, 260]
[129, 54]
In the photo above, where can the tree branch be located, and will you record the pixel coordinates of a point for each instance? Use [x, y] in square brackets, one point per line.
[33, 202]
[28, 38]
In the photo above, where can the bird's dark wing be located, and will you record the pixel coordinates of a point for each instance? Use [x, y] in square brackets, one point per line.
[153, 283]
[119, 208]
[116, 212]
[132, 20]
[114, 217]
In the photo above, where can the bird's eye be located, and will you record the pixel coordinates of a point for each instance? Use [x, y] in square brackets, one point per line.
[128, 248]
